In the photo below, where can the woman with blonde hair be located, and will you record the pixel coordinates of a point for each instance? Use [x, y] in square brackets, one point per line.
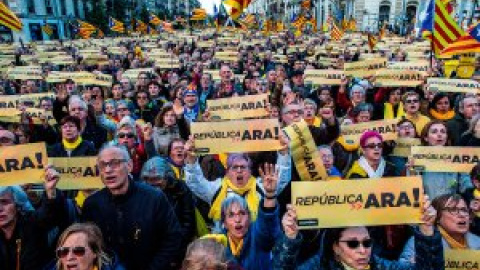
[81, 247]
[205, 254]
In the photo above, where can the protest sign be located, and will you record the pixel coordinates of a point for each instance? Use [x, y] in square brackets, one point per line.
[453, 85]
[22, 164]
[462, 259]
[77, 172]
[364, 68]
[14, 101]
[394, 78]
[403, 146]
[250, 106]
[445, 158]
[25, 73]
[386, 128]
[421, 66]
[383, 201]
[304, 152]
[324, 76]
[236, 136]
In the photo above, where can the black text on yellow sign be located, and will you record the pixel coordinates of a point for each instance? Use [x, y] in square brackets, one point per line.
[22, 164]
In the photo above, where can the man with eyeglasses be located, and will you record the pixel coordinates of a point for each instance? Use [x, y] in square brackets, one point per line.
[467, 107]
[136, 220]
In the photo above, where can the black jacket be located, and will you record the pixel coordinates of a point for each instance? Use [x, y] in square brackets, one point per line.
[456, 127]
[469, 140]
[85, 149]
[140, 226]
[30, 236]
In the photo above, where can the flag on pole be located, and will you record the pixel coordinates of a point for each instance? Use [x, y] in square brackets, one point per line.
[469, 43]
[9, 19]
[47, 29]
[141, 26]
[381, 33]
[336, 33]
[237, 7]
[352, 24]
[115, 25]
[154, 20]
[306, 4]
[198, 14]
[216, 16]
[372, 41]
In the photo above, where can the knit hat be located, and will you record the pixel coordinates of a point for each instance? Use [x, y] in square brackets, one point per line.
[367, 135]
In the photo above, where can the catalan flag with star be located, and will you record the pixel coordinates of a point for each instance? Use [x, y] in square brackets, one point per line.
[469, 43]
[115, 25]
[336, 33]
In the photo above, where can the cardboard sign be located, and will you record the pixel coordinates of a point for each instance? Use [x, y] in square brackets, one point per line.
[421, 66]
[304, 152]
[403, 146]
[236, 136]
[462, 259]
[365, 68]
[386, 128]
[250, 106]
[332, 204]
[453, 85]
[445, 158]
[324, 76]
[394, 78]
[77, 173]
[22, 164]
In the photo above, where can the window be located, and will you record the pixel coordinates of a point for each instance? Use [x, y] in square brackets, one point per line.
[75, 8]
[49, 6]
[384, 13]
[30, 6]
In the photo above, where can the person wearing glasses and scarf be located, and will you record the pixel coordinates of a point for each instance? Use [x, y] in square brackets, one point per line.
[352, 248]
[411, 105]
[453, 221]
[72, 144]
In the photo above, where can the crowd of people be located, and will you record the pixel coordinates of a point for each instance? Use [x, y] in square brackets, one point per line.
[164, 206]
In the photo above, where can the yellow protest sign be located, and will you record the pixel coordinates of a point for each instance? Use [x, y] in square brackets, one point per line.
[421, 66]
[250, 106]
[77, 173]
[403, 146]
[25, 73]
[236, 136]
[453, 85]
[364, 68]
[304, 152]
[386, 128]
[445, 158]
[22, 164]
[384, 201]
[462, 259]
[13, 101]
[394, 78]
[324, 76]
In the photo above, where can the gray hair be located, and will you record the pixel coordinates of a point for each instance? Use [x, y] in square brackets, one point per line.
[231, 200]
[20, 198]
[473, 123]
[234, 156]
[122, 102]
[76, 99]
[357, 88]
[325, 146]
[128, 122]
[121, 148]
[158, 167]
[309, 101]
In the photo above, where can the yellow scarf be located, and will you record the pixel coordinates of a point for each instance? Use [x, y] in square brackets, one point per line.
[219, 238]
[388, 111]
[476, 195]
[236, 248]
[442, 116]
[316, 122]
[95, 268]
[350, 147]
[249, 192]
[351, 268]
[71, 146]
[454, 244]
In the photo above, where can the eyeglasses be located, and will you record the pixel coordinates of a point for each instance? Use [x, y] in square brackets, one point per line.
[62, 252]
[410, 101]
[238, 167]
[374, 145]
[299, 112]
[354, 244]
[128, 135]
[114, 164]
[457, 210]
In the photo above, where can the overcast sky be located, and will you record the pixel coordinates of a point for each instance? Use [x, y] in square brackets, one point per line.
[208, 5]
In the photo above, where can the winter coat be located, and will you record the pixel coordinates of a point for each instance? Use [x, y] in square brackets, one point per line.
[439, 183]
[259, 241]
[456, 127]
[162, 136]
[469, 140]
[85, 149]
[140, 225]
[429, 250]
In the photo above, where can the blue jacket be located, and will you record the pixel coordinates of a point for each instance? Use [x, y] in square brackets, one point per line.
[258, 241]
[429, 256]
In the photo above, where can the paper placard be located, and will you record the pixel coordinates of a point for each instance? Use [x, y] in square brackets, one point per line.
[250, 106]
[324, 76]
[394, 78]
[236, 136]
[22, 164]
[361, 202]
[453, 85]
[77, 173]
[403, 146]
[386, 128]
[445, 158]
[364, 68]
[462, 259]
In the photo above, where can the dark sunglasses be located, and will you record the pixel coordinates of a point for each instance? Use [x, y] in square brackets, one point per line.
[128, 135]
[374, 145]
[409, 101]
[62, 252]
[354, 244]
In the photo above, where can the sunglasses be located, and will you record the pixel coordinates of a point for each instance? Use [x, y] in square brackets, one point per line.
[63, 252]
[128, 135]
[374, 145]
[410, 101]
[354, 244]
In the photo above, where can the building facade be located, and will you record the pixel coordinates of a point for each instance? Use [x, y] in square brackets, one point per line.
[35, 13]
[173, 7]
